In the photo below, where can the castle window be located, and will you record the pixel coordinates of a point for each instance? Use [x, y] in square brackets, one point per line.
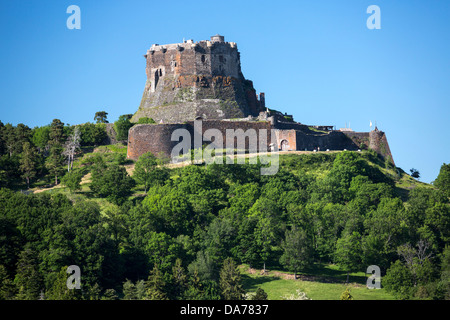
[203, 58]
[221, 58]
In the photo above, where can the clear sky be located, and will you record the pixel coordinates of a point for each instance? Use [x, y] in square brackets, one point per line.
[316, 60]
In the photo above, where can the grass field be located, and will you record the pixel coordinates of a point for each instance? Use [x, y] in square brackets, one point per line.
[325, 282]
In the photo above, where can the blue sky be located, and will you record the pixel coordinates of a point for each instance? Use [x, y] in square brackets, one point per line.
[316, 60]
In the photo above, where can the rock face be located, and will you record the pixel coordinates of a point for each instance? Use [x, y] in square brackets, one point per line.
[203, 79]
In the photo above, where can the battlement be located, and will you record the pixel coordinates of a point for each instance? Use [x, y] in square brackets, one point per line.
[215, 41]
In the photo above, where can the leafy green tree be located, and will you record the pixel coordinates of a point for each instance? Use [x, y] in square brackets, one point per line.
[112, 183]
[59, 290]
[230, 281]
[145, 170]
[444, 282]
[101, 117]
[203, 266]
[72, 180]
[122, 125]
[297, 250]
[41, 136]
[420, 199]
[219, 238]
[162, 250]
[92, 134]
[170, 209]
[246, 249]
[267, 227]
[28, 162]
[11, 239]
[348, 252]
[398, 280]
[443, 179]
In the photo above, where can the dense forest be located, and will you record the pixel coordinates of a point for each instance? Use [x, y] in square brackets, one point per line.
[148, 230]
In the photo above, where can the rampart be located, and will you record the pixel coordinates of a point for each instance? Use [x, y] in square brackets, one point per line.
[157, 138]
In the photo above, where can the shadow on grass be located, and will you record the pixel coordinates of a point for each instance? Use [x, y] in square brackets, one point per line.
[253, 283]
[325, 274]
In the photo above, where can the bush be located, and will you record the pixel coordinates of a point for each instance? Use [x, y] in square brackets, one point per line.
[146, 120]
[122, 126]
[72, 179]
[112, 183]
[92, 134]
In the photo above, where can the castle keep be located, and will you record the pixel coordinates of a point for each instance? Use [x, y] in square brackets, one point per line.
[186, 80]
[203, 81]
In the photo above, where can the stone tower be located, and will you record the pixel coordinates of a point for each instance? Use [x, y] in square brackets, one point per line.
[202, 79]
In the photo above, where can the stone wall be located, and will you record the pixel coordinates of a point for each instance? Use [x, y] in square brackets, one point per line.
[156, 138]
[379, 143]
[334, 140]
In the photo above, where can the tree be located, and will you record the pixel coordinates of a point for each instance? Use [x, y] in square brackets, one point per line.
[230, 281]
[55, 161]
[179, 280]
[156, 285]
[28, 162]
[297, 250]
[7, 289]
[415, 173]
[92, 134]
[122, 125]
[59, 290]
[445, 273]
[129, 290]
[267, 226]
[443, 179]
[144, 169]
[346, 295]
[71, 146]
[28, 280]
[72, 180]
[348, 252]
[203, 266]
[112, 183]
[398, 280]
[41, 136]
[101, 116]
[162, 250]
[56, 134]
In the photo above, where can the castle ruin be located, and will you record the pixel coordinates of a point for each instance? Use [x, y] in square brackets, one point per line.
[203, 80]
